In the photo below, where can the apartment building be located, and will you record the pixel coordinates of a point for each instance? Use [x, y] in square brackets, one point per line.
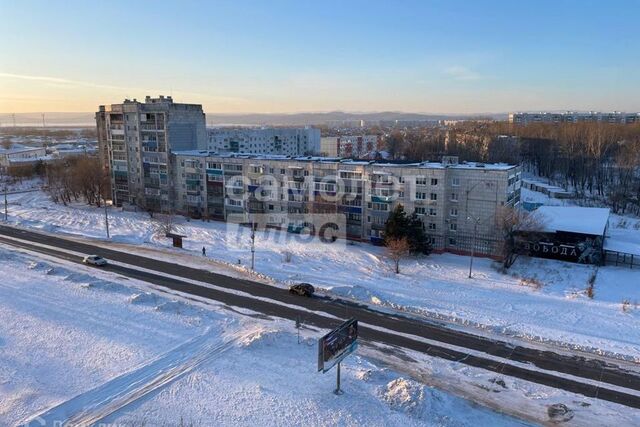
[138, 138]
[459, 203]
[574, 117]
[354, 146]
[21, 155]
[272, 140]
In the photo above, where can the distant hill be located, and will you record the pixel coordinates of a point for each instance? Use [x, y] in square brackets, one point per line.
[87, 119]
[51, 119]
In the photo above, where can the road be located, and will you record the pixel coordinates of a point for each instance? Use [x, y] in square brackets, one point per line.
[377, 327]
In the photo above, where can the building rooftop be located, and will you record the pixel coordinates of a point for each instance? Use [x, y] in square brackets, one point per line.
[425, 165]
[573, 219]
[22, 149]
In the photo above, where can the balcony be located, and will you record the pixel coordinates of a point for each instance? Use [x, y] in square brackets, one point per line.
[382, 199]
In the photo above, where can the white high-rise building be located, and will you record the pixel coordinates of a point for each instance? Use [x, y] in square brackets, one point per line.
[136, 140]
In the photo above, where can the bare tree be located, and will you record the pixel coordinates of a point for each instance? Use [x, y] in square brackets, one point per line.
[511, 222]
[164, 222]
[397, 249]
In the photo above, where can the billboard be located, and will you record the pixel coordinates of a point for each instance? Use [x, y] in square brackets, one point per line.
[337, 345]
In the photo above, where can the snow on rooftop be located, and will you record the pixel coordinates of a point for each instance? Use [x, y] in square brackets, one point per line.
[574, 219]
[425, 165]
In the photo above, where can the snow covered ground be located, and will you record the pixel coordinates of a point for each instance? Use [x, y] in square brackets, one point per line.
[82, 345]
[541, 300]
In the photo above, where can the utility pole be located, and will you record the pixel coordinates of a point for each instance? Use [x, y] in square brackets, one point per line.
[6, 213]
[106, 217]
[44, 131]
[473, 246]
[253, 244]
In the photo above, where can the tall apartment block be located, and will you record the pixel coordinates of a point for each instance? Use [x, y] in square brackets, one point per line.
[573, 117]
[459, 203]
[273, 140]
[137, 139]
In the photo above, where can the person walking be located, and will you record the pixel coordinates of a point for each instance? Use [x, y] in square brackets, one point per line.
[204, 251]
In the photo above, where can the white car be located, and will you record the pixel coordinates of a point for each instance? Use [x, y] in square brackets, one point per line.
[95, 260]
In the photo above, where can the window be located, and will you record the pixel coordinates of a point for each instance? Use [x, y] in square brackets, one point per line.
[379, 220]
[453, 212]
[452, 242]
[433, 196]
[453, 226]
[432, 226]
[421, 196]
[454, 197]
[432, 212]
[420, 211]
[434, 181]
[455, 182]
[421, 180]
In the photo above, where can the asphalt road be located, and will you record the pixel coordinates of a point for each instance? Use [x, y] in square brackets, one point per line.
[577, 365]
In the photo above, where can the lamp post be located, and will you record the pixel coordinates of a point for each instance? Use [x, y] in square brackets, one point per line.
[476, 221]
[473, 245]
[106, 217]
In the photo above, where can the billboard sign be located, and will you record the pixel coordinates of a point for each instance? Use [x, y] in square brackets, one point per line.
[337, 344]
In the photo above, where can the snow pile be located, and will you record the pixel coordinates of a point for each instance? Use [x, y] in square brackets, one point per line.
[405, 395]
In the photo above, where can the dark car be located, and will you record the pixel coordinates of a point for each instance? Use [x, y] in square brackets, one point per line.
[302, 289]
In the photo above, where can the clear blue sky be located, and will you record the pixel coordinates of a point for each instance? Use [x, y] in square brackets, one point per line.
[287, 56]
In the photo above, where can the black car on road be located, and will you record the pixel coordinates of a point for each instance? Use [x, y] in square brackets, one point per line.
[302, 289]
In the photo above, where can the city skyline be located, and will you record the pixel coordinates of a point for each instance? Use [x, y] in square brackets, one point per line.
[284, 57]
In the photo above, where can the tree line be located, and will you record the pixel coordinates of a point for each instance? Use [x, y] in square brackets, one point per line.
[77, 178]
[599, 161]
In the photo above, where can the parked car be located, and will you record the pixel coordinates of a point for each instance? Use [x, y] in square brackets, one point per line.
[95, 260]
[302, 289]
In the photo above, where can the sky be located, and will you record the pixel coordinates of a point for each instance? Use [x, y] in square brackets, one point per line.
[273, 56]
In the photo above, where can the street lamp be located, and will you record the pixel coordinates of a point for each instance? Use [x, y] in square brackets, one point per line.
[473, 246]
[476, 220]
[6, 213]
[106, 216]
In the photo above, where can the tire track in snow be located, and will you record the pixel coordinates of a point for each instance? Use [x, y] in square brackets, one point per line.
[94, 405]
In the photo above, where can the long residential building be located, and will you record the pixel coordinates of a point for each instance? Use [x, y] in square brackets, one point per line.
[268, 140]
[574, 117]
[460, 204]
[136, 140]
